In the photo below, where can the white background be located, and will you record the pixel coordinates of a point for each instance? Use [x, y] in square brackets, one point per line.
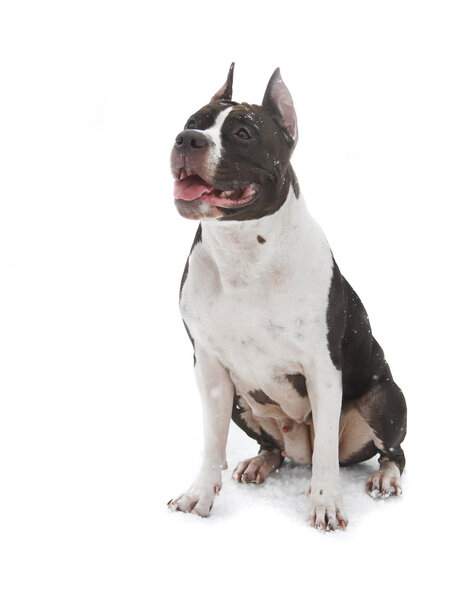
[100, 420]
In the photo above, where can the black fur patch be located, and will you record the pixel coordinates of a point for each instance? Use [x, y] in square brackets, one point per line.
[298, 381]
[365, 453]
[197, 239]
[363, 359]
[366, 375]
[352, 346]
[294, 182]
[261, 397]
[336, 316]
[384, 409]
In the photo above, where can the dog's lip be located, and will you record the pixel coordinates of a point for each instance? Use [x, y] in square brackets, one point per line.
[192, 188]
[203, 208]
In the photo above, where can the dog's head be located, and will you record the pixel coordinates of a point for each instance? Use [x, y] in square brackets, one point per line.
[232, 161]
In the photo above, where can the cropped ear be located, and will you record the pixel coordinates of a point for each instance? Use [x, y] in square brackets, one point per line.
[226, 90]
[278, 101]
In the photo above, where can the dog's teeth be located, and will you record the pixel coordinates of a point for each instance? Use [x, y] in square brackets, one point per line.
[226, 193]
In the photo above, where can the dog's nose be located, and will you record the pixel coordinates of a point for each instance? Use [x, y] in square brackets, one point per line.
[190, 141]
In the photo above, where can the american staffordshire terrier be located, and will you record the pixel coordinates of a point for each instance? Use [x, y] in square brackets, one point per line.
[282, 343]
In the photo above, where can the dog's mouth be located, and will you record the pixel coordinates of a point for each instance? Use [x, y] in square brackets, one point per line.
[193, 188]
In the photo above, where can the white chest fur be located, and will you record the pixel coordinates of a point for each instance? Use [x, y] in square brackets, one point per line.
[256, 297]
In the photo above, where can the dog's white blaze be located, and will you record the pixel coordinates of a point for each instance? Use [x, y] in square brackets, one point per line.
[214, 134]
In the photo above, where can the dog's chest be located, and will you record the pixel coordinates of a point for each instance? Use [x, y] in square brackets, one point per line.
[260, 318]
[248, 329]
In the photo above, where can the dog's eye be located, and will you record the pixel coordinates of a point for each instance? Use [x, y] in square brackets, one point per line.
[243, 133]
[190, 124]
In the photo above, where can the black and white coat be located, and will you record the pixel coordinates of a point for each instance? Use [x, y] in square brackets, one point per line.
[282, 343]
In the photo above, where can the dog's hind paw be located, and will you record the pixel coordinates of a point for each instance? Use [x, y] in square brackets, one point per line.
[385, 482]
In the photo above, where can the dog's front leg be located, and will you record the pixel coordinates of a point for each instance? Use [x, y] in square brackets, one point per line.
[324, 384]
[217, 392]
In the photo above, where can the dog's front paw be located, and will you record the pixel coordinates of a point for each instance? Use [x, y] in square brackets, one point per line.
[257, 468]
[326, 511]
[198, 500]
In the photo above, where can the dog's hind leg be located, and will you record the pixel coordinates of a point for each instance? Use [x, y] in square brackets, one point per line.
[384, 409]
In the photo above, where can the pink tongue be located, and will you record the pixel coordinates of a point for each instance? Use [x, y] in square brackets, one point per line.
[191, 188]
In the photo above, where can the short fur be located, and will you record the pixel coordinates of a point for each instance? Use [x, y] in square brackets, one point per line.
[282, 343]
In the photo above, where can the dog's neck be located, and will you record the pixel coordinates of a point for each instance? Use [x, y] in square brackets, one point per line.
[246, 250]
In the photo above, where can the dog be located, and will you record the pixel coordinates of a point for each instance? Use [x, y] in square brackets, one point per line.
[282, 343]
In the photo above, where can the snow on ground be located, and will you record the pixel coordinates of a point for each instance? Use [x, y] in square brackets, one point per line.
[257, 542]
[285, 489]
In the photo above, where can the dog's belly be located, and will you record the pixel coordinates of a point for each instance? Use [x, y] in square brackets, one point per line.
[272, 386]
[281, 410]
[276, 391]
[263, 353]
